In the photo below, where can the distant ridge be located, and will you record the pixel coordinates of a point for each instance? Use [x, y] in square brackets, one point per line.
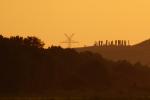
[145, 43]
[134, 53]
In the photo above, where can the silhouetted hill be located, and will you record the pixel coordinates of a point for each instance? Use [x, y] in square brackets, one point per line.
[133, 54]
[28, 69]
[144, 44]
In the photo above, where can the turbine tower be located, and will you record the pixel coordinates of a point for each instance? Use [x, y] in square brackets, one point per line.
[69, 40]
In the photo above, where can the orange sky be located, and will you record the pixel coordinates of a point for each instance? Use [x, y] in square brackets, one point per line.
[90, 20]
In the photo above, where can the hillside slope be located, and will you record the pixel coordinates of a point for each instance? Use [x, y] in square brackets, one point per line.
[136, 53]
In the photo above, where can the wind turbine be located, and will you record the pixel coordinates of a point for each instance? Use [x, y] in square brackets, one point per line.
[69, 40]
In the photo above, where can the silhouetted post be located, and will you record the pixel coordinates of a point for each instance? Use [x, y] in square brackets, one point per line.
[101, 43]
[122, 43]
[128, 43]
[116, 43]
[106, 43]
[125, 43]
[112, 43]
[95, 44]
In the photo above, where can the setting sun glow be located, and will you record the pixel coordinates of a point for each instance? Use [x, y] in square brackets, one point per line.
[90, 20]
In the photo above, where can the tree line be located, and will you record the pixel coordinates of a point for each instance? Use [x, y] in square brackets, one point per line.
[26, 68]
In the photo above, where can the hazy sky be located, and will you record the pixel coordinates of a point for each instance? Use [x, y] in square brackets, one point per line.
[90, 20]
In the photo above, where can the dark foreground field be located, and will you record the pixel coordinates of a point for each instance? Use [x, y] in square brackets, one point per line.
[30, 72]
[75, 98]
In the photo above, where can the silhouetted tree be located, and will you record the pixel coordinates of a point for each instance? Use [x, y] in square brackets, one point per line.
[33, 42]
[26, 68]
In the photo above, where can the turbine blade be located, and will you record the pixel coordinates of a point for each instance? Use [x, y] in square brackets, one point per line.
[67, 36]
[71, 35]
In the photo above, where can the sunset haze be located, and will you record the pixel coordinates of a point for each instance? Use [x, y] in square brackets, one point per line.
[90, 20]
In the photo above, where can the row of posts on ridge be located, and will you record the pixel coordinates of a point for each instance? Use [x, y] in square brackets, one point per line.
[112, 43]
